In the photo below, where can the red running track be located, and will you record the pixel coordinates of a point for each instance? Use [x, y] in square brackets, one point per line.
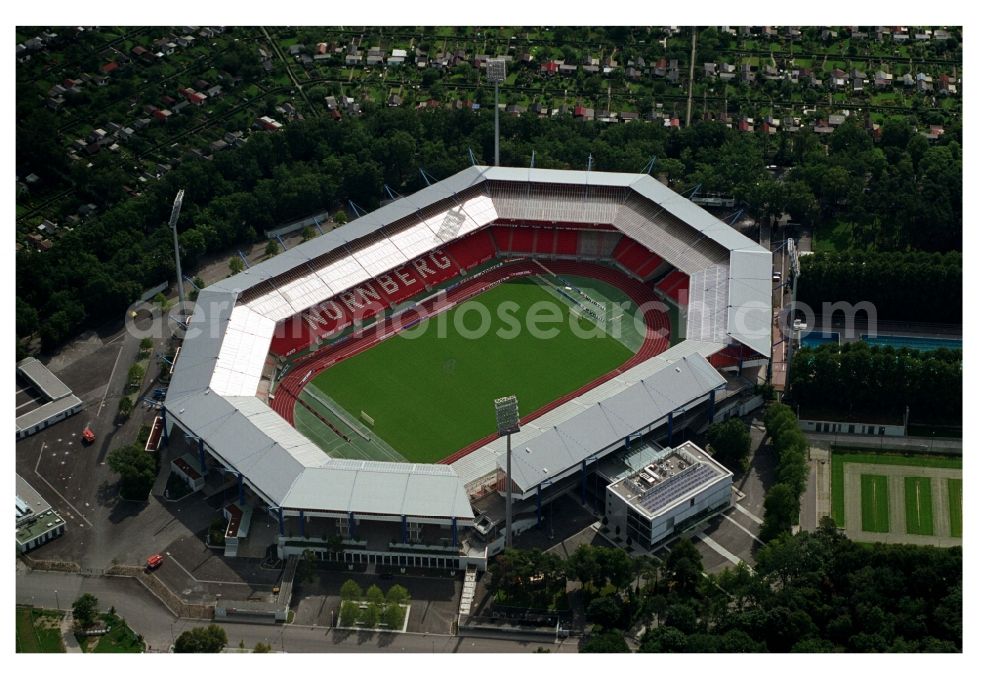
[657, 337]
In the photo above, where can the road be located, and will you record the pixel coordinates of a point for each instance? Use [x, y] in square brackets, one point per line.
[147, 616]
[913, 444]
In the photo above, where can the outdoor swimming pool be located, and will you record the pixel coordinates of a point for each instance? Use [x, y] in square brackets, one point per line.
[915, 342]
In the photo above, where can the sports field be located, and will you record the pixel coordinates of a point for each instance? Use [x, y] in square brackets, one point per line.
[919, 509]
[430, 389]
[896, 498]
[955, 506]
[875, 503]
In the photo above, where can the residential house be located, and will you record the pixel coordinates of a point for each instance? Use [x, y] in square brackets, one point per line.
[322, 47]
[549, 68]
[838, 79]
[216, 146]
[835, 120]
[770, 72]
[901, 36]
[907, 80]
[395, 100]
[567, 69]
[162, 114]
[747, 74]
[267, 123]
[628, 116]
[633, 74]
[109, 67]
[883, 79]
[857, 85]
[941, 34]
[710, 69]
[214, 91]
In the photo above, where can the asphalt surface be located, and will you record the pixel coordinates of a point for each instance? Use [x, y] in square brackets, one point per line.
[159, 628]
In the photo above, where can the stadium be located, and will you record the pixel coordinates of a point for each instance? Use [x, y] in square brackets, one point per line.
[348, 383]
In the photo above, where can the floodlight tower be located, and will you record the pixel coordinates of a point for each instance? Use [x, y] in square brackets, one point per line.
[496, 72]
[508, 422]
[174, 215]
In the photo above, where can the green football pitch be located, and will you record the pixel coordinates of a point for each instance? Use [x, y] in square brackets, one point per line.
[919, 509]
[430, 389]
[875, 503]
[955, 506]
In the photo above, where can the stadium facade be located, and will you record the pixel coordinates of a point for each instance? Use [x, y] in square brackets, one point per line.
[421, 515]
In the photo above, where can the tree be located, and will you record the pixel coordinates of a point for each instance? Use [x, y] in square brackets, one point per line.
[146, 343]
[308, 233]
[374, 596]
[235, 265]
[371, 615]
[394, 616]
[683, 568]
[781, 510]
[605, 642]
[272, 248]
[605, 611]
[350, 591]
[125, 407]
[26, 318]
[349, 613]
[135, 374]
[730, 440]
[340, 217]
[137, 469]
[397, 594]
[306, 571]
[210, 639]
[85, 610]
[664, 640]
[262, 647]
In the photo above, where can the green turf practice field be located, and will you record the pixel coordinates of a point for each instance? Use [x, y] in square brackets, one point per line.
[919, 511]
[875, 503]
[429, 395]
[955, 506]
[840, 457]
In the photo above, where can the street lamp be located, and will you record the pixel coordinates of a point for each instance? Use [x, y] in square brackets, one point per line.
[496, 72]
[57, 599]
[508, 422]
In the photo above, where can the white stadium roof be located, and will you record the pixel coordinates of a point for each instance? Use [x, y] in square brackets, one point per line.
[213, 392]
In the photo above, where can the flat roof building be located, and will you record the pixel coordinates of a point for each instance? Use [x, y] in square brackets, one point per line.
[43, 379]
[679, 487]
[37, 522]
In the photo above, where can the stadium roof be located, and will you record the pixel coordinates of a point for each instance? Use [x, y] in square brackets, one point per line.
[218, 375]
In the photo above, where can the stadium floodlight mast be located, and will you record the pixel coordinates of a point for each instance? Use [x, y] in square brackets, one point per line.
[496, 72]
[174, 215]
[508, 422]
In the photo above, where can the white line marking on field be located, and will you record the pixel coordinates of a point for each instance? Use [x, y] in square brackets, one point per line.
[740, 526]
[744, 510]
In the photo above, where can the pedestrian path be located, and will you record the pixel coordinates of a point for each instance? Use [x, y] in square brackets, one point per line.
[69, 639]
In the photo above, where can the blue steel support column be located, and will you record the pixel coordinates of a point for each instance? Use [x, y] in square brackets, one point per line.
[711, 406]
[163, 410]
[201, 456]
[241, 488]
[670, 429]
[302, 522]
[538, 505]
[583, 482]
[281, 522]
[402, 524]
[350, 524]
[454, 532]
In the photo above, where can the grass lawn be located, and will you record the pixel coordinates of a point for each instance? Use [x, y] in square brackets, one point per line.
[121, 639]
[38, 631]
[955, 506]
[432, 395]
[875, 503]
[831, 238]
[842, 456]
[919, 510]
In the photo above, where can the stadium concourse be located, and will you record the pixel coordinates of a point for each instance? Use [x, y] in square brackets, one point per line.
[257, 338]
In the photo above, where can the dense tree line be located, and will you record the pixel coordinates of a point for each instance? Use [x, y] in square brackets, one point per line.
[856, 379]
[730, 443]
[894, 194]
[93, 273]
[904, 286]
[781, 504]
[812, 592]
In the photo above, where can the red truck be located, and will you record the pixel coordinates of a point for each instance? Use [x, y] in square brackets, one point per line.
[88, 435]
[154, 562]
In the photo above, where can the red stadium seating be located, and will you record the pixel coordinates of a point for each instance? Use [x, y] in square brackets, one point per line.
[471, 250]
[567, 242]
[522, 240]
[545, 240]
[675, 285]
[636, 258]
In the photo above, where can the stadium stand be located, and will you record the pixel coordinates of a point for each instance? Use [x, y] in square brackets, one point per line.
[636, 258]
[567, 242]
[521, 201]
[675, 285]
[545, 241]
[471, 251]
[597, 244]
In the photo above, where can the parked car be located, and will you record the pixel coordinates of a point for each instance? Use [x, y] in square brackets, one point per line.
[154, 562]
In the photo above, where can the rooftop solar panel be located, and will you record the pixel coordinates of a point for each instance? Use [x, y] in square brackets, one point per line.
[676, 486]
